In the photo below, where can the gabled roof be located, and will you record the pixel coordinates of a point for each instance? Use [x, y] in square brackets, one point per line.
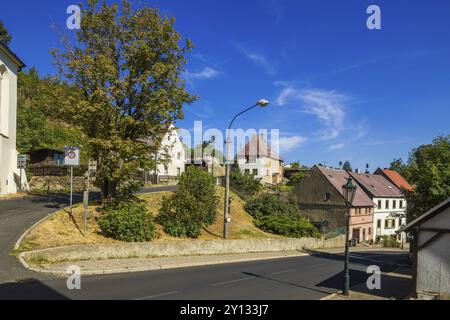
[377, 185]
[12, 56]
[338, 178]
[395, 177]
[428, 215]
[257, 146]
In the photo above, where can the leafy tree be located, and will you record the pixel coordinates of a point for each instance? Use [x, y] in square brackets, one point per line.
[401, 167]
[38, 123]
[429, 169]
[5, 37]
[290, 226]
[347, 166]
[193, 205]
[269, 204]
[245, 182]
[128, 67]
[296, 177]
[295, 165]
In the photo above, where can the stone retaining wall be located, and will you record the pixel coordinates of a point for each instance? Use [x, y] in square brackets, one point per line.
[178, 248]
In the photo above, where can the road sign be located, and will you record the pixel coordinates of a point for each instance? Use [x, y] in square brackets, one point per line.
[71, 156]
[21, 161]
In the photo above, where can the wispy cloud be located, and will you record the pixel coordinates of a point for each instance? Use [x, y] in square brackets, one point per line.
[353, 135]
[276, 10]
[205, 73]
[259, 60]
[326, 105]
[287, 144]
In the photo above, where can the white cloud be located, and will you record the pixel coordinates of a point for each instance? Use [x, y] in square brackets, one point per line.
[206, 73]
[259, 60]
[327, 106]
[290, 143]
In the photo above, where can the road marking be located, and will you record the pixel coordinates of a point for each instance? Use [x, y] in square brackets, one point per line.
[316, 265]
[280, 272]
[231, 281]
[158, 295]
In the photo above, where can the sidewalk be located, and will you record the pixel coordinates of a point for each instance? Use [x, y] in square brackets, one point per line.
[110, 266]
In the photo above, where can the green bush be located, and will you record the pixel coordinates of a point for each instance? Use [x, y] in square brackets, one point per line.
[269, 204]
[193, 205]
[245, 182]
[388, 241]
[128, 221]
[286, 225]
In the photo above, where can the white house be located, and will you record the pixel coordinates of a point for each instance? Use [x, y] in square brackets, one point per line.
[431, 252]
[390, 204]
[10, 65]
[257, 158]
[171, 157]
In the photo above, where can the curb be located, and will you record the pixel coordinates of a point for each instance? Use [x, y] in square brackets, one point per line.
[331, 296]
[157, 267]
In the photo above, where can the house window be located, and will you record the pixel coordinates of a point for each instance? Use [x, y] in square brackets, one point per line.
[179, 171]
[166, 170]
[394, 204]
[247, 171]
[247, 159]
[379, 224]
[327, 196]
[379, 204]
[387, 204]
[389, 224]
[4, 103]
[401, 204]
[267, 173]
[179, 155]
[370, 231]
[255, 172]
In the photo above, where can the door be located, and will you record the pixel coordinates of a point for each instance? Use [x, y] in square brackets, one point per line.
[355, 234]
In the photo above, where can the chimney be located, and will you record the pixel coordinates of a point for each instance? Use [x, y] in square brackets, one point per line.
[357, 171]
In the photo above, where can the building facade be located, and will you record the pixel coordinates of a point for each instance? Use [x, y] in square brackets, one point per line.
[389, 202]
[171, 157]
[320, 197]
[257, 158]
[10, 65]
[431, 252]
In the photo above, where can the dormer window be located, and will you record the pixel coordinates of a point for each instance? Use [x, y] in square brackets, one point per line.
[327, 196]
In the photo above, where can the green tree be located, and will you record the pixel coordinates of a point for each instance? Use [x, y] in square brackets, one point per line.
[429, 168]
[347, 166]
[296, 177]
[244, 182]
[295, 165]
[193, 205]
[128, 67]
[38, 122]
[401, 167]
[5, 37]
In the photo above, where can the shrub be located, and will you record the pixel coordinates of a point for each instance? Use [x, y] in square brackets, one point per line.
[388, 241]
[193, 205]
[245, 182]
[287, 225]
[269, 204]
[128, 221]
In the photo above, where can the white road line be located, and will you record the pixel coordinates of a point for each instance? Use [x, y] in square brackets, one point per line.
[231, 281]
[158, 295]
[285, 271]
[316, 265]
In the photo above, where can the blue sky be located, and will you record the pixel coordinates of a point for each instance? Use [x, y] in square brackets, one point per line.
[338, 91]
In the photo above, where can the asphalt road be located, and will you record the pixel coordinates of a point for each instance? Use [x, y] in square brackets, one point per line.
[308, 277]
[17, 215]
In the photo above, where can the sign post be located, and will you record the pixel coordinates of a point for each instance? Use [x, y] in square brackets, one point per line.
[71, 159]
[92, 168]
[21, 164]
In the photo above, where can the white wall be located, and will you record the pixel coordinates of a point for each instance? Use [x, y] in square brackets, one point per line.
[266, 167]
[177, 155]
[8, 111]
[382, 213]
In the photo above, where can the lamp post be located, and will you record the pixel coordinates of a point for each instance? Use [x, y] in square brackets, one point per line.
[349, 191]
[226, 219]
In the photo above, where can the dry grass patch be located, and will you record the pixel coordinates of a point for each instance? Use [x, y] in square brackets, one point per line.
[64, 229]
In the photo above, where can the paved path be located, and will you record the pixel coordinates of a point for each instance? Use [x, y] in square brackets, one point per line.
[307, 277]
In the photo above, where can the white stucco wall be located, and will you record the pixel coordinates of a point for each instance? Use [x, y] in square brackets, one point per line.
[383, 213]
[266, 167]
[177, 155]
[433, 261]
[8, 114]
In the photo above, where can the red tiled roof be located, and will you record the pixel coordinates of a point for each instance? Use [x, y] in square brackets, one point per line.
[377, 185]
[338, 178]
[397, 179]
[257, 146]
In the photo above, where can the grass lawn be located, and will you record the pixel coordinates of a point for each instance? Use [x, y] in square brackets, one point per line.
[65, 229]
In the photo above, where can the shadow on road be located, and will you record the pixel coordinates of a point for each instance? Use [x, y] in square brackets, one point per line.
[29, 290]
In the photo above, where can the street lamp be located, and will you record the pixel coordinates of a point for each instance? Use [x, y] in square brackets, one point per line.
[349, 191]
[226, 219]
